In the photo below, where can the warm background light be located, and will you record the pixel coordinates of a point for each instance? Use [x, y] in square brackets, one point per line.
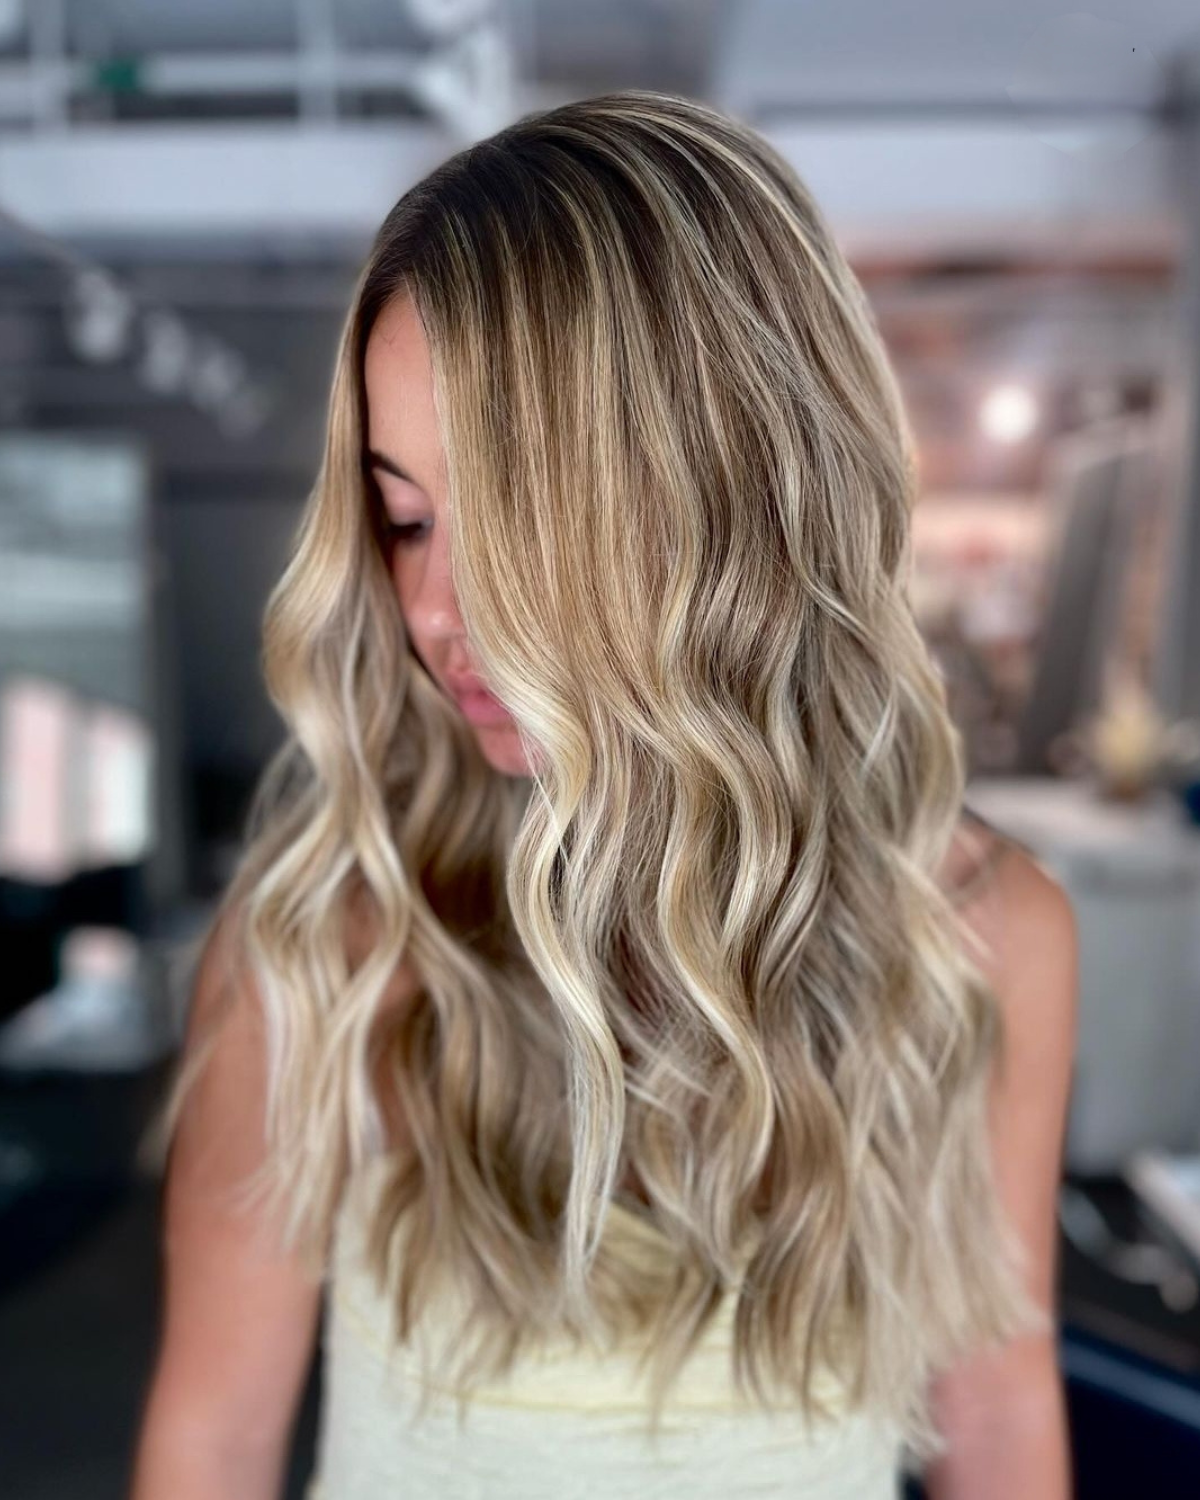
[1008, 413]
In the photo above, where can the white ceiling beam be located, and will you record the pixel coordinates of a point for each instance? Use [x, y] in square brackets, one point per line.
[978, 185]
[880, 186]
[216, 179]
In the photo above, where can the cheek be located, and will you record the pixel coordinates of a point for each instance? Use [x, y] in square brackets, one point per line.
[401, 585]
[400, 571]
[406, 588]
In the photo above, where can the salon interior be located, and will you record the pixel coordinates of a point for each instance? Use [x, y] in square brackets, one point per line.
[186, 195]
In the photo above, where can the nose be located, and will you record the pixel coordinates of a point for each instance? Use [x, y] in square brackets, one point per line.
[432, 607]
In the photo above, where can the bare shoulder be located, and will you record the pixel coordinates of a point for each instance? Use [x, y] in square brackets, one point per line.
[976, 851]
[1034, 975]
[1038, 954]
[1025, 920]
[1039, 914]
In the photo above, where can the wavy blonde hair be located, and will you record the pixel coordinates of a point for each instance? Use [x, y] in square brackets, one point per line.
[703, 940]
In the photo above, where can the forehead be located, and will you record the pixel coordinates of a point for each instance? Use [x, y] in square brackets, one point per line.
[398, 376]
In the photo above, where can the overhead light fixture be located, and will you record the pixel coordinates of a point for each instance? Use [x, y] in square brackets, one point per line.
[166, 359]
[245, 412]
[1008, 413]
[215, 374]
[98, 316]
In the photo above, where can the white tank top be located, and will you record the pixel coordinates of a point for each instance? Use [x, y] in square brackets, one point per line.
[565, 1424]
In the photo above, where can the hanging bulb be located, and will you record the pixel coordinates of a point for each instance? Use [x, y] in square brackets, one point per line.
[98, 316]
[166, 355]
[1008, 413]
[215, 373]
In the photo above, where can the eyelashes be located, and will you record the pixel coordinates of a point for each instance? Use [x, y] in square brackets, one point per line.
[391, 533]
[402, 533]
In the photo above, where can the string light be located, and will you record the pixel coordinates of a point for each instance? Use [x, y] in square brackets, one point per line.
[166, 354]
[98, 316]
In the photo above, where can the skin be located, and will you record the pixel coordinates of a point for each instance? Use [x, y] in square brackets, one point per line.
[239, 1318]
[404, 437]
[1004, 1412]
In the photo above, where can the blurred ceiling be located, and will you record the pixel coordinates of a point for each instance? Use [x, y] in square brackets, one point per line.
[761, 54]
[669, 41]
[878, 102]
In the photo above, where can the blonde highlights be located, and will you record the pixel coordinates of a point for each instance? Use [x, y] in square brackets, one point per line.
[703, 940]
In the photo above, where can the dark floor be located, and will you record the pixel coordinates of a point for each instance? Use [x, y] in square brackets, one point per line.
[79, 1292]
[78, 1339]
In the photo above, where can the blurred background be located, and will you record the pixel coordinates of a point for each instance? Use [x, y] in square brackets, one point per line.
[187, 192]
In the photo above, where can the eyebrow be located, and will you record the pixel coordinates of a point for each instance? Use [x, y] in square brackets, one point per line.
[382, 461]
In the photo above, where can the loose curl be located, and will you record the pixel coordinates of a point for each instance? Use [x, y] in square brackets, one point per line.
[703, 940]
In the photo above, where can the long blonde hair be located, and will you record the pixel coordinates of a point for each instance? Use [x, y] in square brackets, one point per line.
[703, 939]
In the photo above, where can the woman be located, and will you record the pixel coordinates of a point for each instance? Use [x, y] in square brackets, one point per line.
[649, 1051]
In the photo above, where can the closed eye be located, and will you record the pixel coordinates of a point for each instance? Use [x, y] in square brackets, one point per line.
[402, 533]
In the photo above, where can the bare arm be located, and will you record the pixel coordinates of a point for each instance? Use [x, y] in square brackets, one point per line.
[1004, 1413]
[238, 1319]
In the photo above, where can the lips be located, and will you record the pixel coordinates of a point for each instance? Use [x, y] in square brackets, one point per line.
[482, 707]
